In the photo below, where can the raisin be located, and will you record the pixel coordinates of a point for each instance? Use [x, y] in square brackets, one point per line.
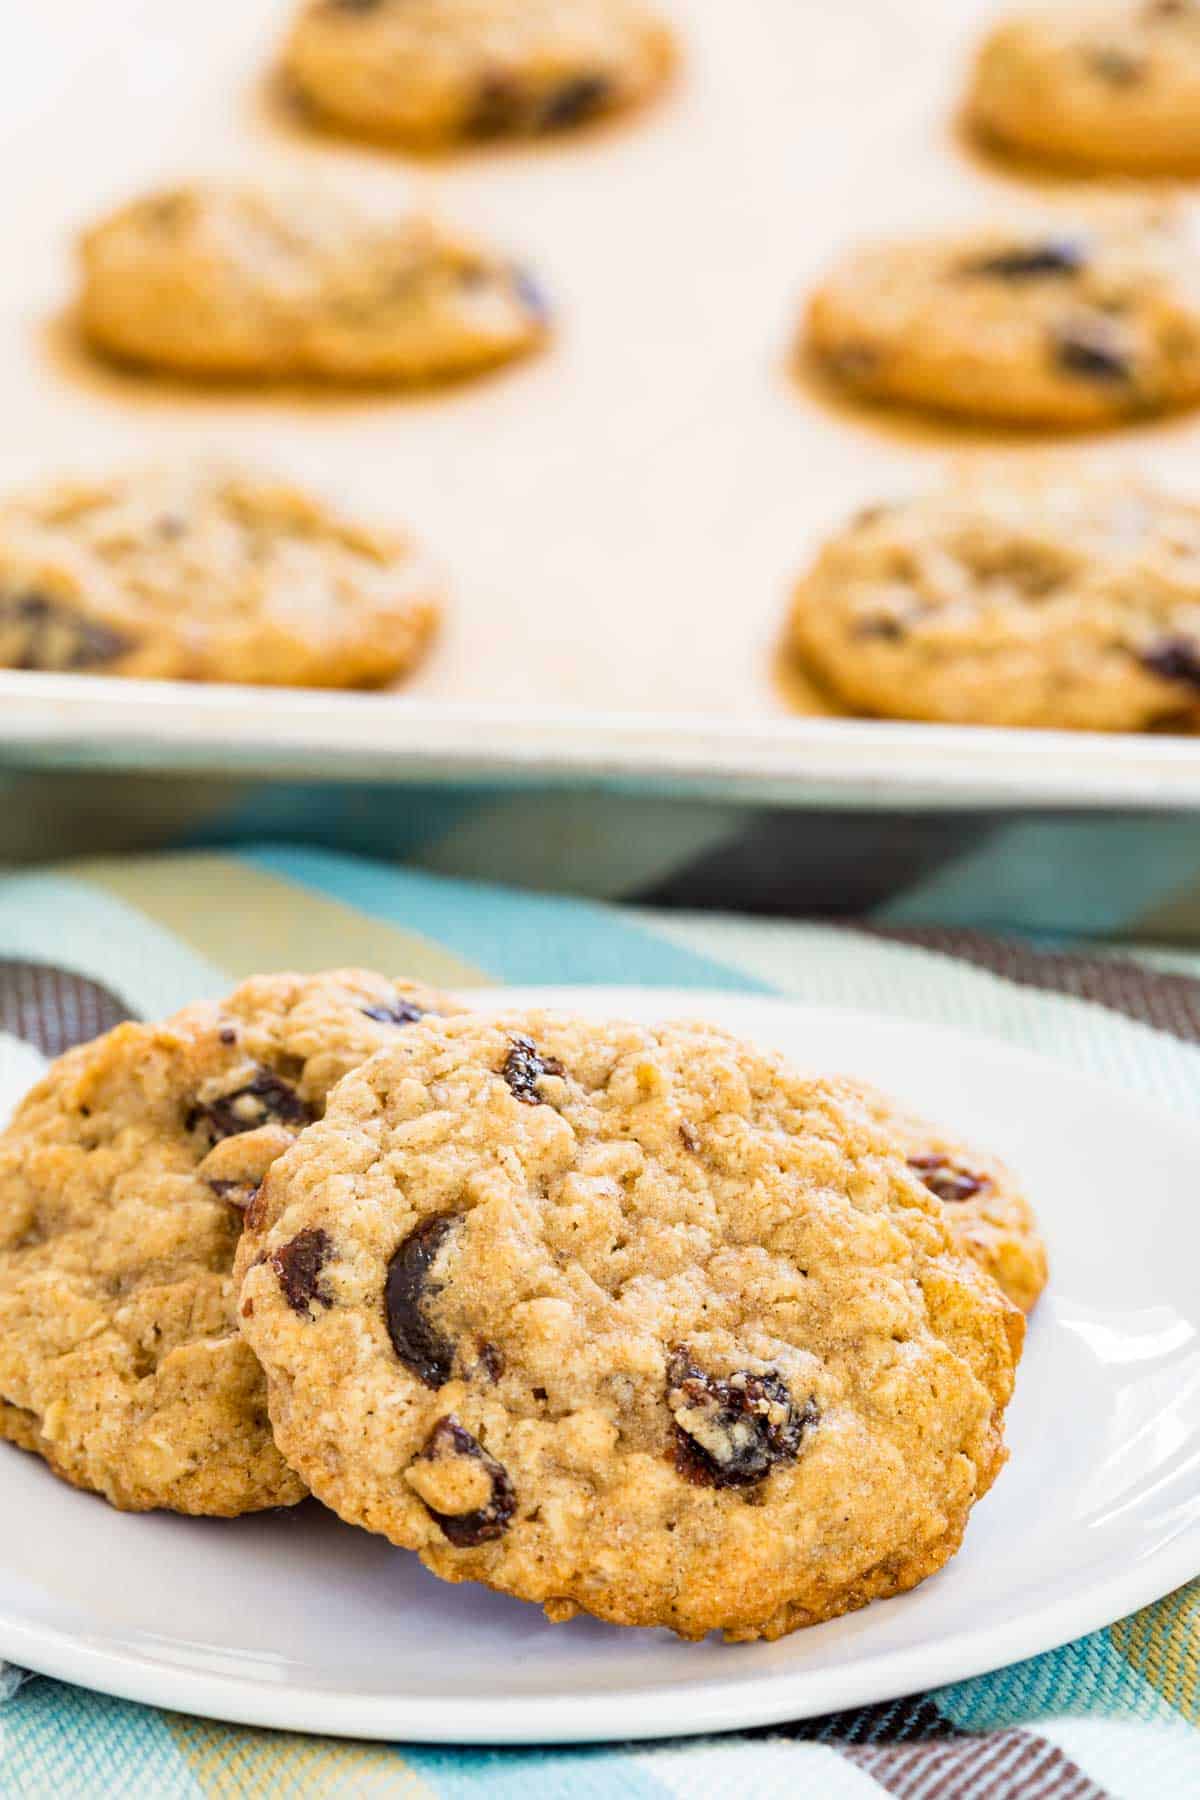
[264, 1100]
[529, 293]
[416, 1342]
[1030, 262]
[465, 1530]
[736, 1430]
[37, 632]
[298, 1266]
[574, 102]
[1175, 659]
[852, 362]
[491, 1361]
[1090, 348]
[400, 1012]
[524, 1067]
[946, 1179]
[888, 631]
[227, 1034]
[1120, 68]
[500, 104]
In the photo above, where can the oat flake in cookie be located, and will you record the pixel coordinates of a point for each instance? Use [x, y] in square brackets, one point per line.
[1042, 596]
[208, 575]
[270, 283]
[1075, 321]
[431, 72]
[625, 1319]
[1110, 85]
[124, 1179]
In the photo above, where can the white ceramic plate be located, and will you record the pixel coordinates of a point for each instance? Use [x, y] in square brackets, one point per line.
[295, 1620]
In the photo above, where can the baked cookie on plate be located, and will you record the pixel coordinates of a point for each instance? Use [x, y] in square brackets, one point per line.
[1069, 322]
[124, 1177]
[1045, 596]
[208, 574]
[625, 1319]
[429, 73]
[1111, 86]
[266, 283]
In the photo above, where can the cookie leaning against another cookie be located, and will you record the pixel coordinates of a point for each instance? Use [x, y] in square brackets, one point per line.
[207, 575]
[1110, 86]
[1076, 321]
[248, 283]
[1043, 597]
[986, 1207]
[124, 1176]
[629, 1320]
[430, 72]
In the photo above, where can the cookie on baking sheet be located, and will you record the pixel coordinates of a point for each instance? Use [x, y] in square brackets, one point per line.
[256, 283]
[628, 1320]
[1083, 321]
[986, 1206]
[1043, 596]
[431, 72]
[207, 575]
[1113, 85]
[124, 1176]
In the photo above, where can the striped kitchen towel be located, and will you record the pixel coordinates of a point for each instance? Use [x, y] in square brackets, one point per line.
[83, 945]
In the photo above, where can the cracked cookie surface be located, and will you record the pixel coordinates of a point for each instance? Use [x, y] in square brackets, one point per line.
[1113, 86]
[626, 1319]
[986, 1206]
[124, 1177]
[271, 283]
[1076, 321]
[1044, 597]
[197, 574]
[431, 72]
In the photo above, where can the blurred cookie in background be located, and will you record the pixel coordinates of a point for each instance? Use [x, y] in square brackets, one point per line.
[198, 574]
[1071, 321]
[1040, 597]
[430, 73]
[1111, 87]
[264, 283]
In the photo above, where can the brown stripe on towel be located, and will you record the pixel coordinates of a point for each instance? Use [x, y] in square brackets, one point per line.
[53, 1008]
[1151, 996]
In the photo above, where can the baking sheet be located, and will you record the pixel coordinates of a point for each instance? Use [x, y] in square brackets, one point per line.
[620, 518]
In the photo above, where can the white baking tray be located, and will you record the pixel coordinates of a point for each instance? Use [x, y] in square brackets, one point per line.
[621, 518]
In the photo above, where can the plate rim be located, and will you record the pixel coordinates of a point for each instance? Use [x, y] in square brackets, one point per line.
[133, 725]
[658, 1710]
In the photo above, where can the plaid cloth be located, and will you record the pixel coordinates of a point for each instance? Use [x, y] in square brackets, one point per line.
[81, 946]
[1090, 874]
